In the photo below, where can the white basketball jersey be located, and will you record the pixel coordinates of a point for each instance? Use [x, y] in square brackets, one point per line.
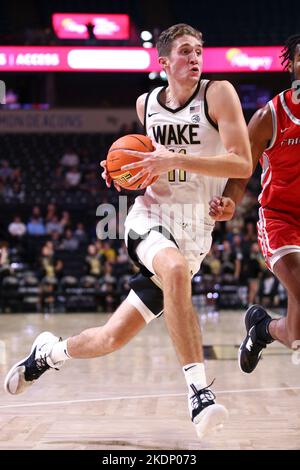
[189, 130]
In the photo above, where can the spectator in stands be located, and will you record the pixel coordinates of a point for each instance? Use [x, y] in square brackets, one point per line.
[80, 233]
[51, 212]
[211, 263]
[14, 193]
[47, 295]
[109, 252]
[99, 249]
[268, 290]
[53, 225]
[36, 225]
[108, 288]
[93, 261]
[47, 262]
[230, 263]
[56, 240]
[36, 212]
[17, 228]
[70, 158]
[248, 204]
[109, 296]
[50, 267]
[50, 245]
[249, 235]
[234, 226]
[107, 275]
[237, 244]
[122, 256]
[59, 269]
[252, 271]
[250, 231]
[6, 171]
[69, 242]
[65, 220]
[72, 178]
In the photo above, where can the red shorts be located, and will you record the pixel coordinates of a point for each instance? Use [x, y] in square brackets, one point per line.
[277, 236]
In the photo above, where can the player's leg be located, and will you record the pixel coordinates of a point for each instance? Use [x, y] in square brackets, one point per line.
[180, 316]
[279, 240]
[287, 329]
[142, 304]
[49, 351]
[121, 327]
[261, 328]
[173, 271]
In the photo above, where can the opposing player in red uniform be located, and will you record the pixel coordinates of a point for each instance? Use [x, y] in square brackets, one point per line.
[275, 139]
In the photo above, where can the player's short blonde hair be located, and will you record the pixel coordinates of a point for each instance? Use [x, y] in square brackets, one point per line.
[166, 38]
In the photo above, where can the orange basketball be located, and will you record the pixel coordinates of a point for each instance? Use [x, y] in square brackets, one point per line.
[117, 157]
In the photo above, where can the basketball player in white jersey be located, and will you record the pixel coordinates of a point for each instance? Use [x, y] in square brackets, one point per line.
[201, 140]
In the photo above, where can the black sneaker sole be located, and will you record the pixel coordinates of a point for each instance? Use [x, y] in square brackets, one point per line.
[241, 348]
[249, 324]
[250, 312]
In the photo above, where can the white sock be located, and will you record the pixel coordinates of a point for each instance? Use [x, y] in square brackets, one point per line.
[60, 352]
[195, 374]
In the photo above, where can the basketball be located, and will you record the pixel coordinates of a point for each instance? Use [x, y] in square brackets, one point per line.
[117, 157]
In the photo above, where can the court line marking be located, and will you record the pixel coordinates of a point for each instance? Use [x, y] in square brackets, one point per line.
[141, 397]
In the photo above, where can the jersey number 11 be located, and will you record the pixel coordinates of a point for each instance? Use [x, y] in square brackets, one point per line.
[181, 173]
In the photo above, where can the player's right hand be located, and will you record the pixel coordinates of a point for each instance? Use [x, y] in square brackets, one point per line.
[221, 208]
[108, 180]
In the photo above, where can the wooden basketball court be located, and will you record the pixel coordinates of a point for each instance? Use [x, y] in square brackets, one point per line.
[136, 397]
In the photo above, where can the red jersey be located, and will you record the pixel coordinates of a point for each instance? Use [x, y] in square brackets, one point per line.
[280, 162]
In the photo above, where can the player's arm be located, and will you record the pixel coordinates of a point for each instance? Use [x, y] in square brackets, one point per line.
[260, 130]
[140, 107]
[226, 111]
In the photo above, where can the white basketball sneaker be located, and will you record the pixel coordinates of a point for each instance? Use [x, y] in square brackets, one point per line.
[25, 372]
[206, 415]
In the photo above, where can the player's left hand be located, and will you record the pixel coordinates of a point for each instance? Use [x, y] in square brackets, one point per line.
[221, 208]
[161, 160]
